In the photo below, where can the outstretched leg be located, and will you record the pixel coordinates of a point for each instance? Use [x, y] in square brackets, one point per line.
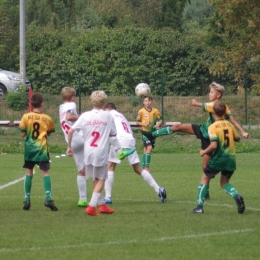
[185, 128]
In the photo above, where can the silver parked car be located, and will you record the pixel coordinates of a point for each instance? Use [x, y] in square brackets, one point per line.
[10, 82]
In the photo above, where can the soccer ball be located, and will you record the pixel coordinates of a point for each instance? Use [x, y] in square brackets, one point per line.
[143, 90]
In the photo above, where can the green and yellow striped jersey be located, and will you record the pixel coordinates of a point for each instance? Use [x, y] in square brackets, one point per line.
[208, 107]
[224, 133]
[36, 126]
[151, 117]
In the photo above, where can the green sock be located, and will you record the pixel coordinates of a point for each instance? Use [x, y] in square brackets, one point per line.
[147, 159]
[47, 187]
[163, 131]
[143, 161]
[230, 189]
[202, 192]
[27, 187]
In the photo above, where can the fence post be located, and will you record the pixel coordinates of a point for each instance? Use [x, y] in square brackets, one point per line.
[245, 88]
[79, 88]
[162, 97]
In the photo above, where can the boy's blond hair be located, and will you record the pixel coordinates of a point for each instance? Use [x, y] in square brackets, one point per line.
[98, 98]
[67, 93]
[217, 87]
[219, 108]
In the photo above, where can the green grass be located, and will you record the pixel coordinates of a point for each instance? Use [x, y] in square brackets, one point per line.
[142, 227]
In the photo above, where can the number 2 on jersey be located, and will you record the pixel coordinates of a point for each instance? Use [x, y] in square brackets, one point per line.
[96, 136]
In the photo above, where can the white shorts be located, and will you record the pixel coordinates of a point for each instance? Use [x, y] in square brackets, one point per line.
[96, 172]
[132, 158]
[79, 159]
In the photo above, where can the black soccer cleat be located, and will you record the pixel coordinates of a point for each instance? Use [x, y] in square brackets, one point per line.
[149, 135]
[27, 205]
[240, 204]
[50, 204]
[197, 210]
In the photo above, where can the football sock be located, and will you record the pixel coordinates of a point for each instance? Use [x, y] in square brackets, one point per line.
[202, 192]
[230, 189]
[148, 178]
[94, 199]
[101, 200]
[47, 187]
[163, 131]
[81, 181]
[143, 161]
[109, 184]
[27, 187]
[147, 160]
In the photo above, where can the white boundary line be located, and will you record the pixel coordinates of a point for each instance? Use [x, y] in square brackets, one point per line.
[122, 242]
[11, 183]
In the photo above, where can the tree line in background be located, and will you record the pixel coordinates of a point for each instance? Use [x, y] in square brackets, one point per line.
[182, 45]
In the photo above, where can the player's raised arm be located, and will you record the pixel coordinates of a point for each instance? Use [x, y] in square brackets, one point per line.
[237, 125]
[196, 103]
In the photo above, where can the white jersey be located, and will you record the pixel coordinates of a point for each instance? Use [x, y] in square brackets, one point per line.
[97, 126]
[69, 107]
[124, 130]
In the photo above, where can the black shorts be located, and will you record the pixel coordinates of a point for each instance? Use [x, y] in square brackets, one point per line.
[205, 142]
[45, 166]
[147, 142]
[211, 173]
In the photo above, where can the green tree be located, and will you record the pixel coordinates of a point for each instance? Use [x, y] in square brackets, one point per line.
[195, 14]
[241, 23]
[170, 15]
[9, 29]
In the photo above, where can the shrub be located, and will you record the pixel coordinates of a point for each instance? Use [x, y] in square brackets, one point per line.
[17, 100]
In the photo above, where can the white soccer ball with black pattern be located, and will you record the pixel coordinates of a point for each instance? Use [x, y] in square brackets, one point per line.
[143, 90]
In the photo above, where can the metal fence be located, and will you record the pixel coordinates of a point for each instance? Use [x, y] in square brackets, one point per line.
[243, 106]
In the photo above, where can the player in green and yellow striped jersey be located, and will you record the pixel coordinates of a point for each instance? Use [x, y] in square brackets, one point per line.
[222, 135]
[149, 119]
[35, 127]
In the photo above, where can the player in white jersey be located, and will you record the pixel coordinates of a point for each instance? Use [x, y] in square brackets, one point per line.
[126, 140]
[99, 131]
[68, 116]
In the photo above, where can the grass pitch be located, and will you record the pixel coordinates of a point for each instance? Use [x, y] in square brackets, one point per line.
[142, 227]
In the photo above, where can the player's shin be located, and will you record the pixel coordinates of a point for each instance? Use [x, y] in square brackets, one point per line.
[202, 192]
[230, 189]
[163, 131]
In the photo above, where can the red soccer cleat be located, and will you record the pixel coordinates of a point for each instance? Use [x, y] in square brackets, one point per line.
[105, 209]
[92, 211]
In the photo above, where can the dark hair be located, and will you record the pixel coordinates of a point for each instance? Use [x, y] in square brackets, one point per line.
[219, 108]
[36, 100]
[110, 106]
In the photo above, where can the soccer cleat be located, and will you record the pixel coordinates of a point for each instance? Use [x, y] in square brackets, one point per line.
[83, 203]
[27, 205]
[207, 197]
[162, 194]
[240, 204]
[50, 204]
[149, 135]
[91, 211]
[124, 153]
[108, 200]
[105, 209]
[198, 210]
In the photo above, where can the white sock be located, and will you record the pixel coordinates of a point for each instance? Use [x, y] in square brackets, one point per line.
[109, 183]
[81, 181]
[94, 199]
[148, 178]
[101, 200]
